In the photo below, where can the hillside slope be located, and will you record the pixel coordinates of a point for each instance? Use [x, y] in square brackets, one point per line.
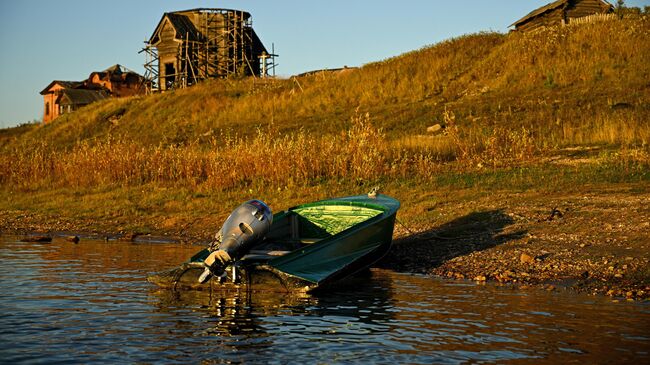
[562, 75]
[541, 175]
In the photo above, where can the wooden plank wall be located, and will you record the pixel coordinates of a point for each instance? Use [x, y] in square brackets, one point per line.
[560, 16]
[580, 8]
[551, 18]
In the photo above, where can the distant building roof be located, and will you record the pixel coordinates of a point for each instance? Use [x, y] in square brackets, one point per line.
[64, 84]
[116, 68]
[548, 7]
[81, 96]
[182, 25]
[116, 71]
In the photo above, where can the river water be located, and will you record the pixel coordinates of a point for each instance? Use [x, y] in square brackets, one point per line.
[90, 303]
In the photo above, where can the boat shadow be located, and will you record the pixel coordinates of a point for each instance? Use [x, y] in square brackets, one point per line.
[477, 231]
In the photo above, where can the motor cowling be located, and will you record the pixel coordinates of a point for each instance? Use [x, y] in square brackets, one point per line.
[246, 225]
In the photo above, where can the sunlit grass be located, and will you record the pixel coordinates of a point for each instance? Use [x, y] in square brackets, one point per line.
[360, 155]
[506, 101]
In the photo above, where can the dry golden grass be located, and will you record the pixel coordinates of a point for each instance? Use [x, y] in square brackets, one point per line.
[504, 99]
[360, 155]
[532, 80]
[267, 158]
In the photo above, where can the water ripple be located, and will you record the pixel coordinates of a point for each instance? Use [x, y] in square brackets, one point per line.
[90, 303]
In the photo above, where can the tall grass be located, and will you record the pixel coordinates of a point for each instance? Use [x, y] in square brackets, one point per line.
[361, 154]
[268, 157]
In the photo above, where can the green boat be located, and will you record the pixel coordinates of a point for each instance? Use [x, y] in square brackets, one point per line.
[307, 247]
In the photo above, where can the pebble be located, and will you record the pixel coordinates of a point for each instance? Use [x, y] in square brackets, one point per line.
[128, 236]
[73, 239]
[526, 259]
[36, 239]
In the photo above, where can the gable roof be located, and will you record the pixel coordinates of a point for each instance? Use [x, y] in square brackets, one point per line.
[116, 68]
[548, 7]
[258, 46]
[81, 96]
[116, 72]
[64, 84]
[182, 25]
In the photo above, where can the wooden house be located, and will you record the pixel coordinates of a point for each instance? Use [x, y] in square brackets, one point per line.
[561, 12]
[61, 97]
[191, 45]
[118, 80]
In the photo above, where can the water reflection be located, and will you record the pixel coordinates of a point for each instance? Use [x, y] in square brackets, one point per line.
[90, 303]
[245, 313]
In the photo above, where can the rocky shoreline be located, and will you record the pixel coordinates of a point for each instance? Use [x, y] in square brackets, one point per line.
[597, 243]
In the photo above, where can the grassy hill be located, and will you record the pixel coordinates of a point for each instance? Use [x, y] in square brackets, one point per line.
[505, 100]
[532, 122]
[562, 75]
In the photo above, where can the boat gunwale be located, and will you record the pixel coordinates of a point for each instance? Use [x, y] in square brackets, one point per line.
[388, 210]
[386, 205]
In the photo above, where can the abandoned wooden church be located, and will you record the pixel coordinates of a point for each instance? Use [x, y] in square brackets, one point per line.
[192, 45]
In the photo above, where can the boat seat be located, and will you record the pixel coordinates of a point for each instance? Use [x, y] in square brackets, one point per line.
[263, 255]
[268, 252]
[309, 241]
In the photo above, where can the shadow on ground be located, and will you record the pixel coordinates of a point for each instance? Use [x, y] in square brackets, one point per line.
[476, 231]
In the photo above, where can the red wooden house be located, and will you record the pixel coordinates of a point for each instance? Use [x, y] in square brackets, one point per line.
[60, 97]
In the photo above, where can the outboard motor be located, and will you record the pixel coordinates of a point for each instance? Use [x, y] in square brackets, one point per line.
[247, 224]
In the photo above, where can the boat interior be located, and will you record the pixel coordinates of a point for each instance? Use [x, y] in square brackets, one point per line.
[308, 224]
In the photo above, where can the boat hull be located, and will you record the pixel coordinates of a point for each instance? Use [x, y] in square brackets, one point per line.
[318, 265]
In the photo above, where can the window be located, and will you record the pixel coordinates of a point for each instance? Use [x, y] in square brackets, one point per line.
[47, 108]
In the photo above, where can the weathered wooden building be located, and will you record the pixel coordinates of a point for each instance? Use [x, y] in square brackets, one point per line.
[61, 97]
[561, 12]
[192, 45]
[118, 80]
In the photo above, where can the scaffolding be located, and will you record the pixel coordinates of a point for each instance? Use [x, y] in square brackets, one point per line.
[267, 62]
[219, 43]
